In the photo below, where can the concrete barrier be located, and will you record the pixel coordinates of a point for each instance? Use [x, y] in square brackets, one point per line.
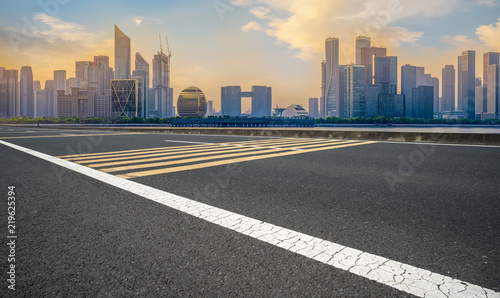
[423, 137]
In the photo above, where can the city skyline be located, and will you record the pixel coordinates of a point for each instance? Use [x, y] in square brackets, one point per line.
[247, 42]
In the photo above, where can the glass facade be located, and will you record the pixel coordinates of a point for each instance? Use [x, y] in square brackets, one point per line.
[124, 98]
[192, 103]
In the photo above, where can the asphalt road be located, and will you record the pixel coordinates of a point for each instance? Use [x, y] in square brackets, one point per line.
[435, 207]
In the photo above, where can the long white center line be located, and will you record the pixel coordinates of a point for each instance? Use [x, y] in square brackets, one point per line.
[407, 278]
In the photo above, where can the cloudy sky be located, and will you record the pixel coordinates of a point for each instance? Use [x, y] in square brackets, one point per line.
[214, 43]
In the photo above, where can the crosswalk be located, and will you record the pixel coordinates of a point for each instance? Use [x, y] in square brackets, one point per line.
[154, 161]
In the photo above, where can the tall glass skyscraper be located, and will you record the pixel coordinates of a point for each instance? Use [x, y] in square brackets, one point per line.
[361, 42]
[122, 55]
[367, 59]
[490, 58]
[459, 84]
[27, 95]
[448, 85]
[332, 77]
[161, 86]
[408, 82]
[230, 100]
[468, 84]
[355, 91]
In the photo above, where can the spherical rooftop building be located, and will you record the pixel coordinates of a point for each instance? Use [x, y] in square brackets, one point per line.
[192, 103]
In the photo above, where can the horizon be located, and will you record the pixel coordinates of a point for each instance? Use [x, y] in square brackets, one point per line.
[262, 42]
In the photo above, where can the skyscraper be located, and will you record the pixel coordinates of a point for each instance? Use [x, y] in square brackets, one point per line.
[161, 86]
[51, 98]
[60, 80]
[434, 82]
[100, 74]
[3, 95]
[421, 79]
[142, 70]
[386, 70]
[468, 84]
[262, 101]
[342, 110]
[322, 99]
[81, 73]
[141, 64]
[423, 106]
[230, 98]
[494, 90]
[367, 59]
[459, 84]
[361, 42]
[124, 98]
[408, 82]
[313, 107]
[355, 90]
[11, 78]
[489, 59]
[332, 77]
[448, 86]
[27, 95]
[122, 55]
[481, 105]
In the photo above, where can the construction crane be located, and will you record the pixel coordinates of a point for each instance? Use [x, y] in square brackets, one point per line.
[169, 53]
[161, 49]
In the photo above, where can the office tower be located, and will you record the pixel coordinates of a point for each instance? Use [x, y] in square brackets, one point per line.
[142, 69]
[37, 86]
[3, 98]
[468, 84]
[408, 82]
[421, 80]
[141, 64]
[332, 77]
[124, 98]
[481, 104]
[489, 58]
[161, 85]
[81, 73]
[27, 95]
[459, 84]
[493, 101]
[210, 108]
[122, 55]
[70, 84]
[230, 99]
[367, 59]
[102, 104]
[100, 74]
[371, 100]
[80, 103]
[141, 93]
[60, 80]
[448, 86]
[51, 98]
[361, 42]
[40, 104]
[322, 99]
[478, 82]
[423, 105]
[314, 107]
[355, 91]
[261, 101]
[386, 70]
[342, 110]
[11, 78]
[434, 82]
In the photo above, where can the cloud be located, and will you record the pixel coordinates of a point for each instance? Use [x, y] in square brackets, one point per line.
[305, 24]
[252, 26]
[459, 41]
[486, 2]
[138, 20]
[489, 35]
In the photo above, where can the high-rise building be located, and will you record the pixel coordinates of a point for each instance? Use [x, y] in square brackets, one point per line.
[481, 104]
[124, 98]
[141, 93]
[210, 108]
[27, 94]
[332, 77]
[493, 101]
[100, 74]
[434, 82]
[408, 82]
[50, 98]
[367, 59]
[3, 96]
[314, 107]
[489, 58]
[371, 100]
[122, 55]
[81, 73]
[459, 84]
[230, 98]
[448, 87]
[322, 99]
[468, 84]
[60, 80]
[421, 79]
[423, 102]
[79, 103]
[386, 70]
[355, 91]
[11, 78]
[141, 64]
[342, 109]
[361, 42]
[262, 101]
[70, 84]
[161, 86]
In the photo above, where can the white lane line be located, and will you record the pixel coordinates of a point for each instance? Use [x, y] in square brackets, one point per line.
[186, 142]
[407, 278]
[438, 144]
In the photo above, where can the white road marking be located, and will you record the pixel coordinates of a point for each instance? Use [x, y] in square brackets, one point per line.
[437, 144]
[174, 141]
[407, 278]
